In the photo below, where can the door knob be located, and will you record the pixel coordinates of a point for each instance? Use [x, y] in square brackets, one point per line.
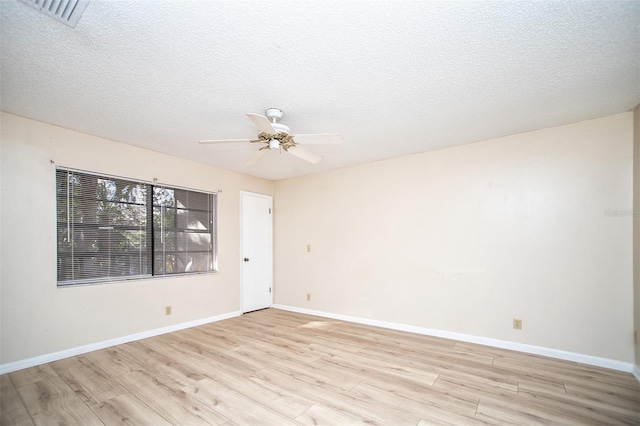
[246, 259]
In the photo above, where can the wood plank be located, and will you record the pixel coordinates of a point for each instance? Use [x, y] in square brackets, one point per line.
[321, 415]
[359, 367]
[460, 383]
[169, 370]
[127, 410]
[288, 403]
[325, 393]
[52, 401]
[12, 410]
[607, 393]
[87, 380]
[578, 410]
[31, 375]
[238, 408]
[418, 399]
[540, 387]
[113, 361]
[433, 416]
[508, 411]
[174, 405]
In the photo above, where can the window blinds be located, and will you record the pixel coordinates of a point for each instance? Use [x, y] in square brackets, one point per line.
[183, 223]
[103, 228]
[112, 228]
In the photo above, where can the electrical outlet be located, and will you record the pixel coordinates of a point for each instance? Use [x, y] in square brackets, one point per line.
[308, 248]
[308, 297]
[167, 310]
[517, 324]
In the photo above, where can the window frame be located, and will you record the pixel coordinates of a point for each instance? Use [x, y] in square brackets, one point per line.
[150, 230]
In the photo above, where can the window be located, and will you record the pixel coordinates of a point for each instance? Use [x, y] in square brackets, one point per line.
[113, 228]
[182, 231]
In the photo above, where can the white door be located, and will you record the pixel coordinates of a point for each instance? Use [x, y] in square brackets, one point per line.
[256, 230]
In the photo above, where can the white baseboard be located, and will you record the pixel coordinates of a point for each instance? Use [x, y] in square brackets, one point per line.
[504, 344]
[43, 359]
[636, 372]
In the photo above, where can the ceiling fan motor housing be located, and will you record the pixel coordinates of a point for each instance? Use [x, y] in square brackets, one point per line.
[274, 114]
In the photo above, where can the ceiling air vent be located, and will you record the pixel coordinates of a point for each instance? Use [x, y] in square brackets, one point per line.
[67, 11]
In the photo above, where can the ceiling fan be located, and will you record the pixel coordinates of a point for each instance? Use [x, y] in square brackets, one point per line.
[275, 135]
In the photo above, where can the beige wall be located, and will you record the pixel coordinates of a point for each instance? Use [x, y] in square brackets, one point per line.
[636, 228]
[39, 318]
[465, 239]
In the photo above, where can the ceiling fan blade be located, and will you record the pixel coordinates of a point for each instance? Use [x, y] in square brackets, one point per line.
[224, 141]
[319, 139]
[311, 157]
[262, 123]
[255, 157]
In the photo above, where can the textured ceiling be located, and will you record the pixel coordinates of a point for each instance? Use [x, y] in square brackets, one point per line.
[394, 78]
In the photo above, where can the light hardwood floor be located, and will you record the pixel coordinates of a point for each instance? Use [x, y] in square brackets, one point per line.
[275, 367]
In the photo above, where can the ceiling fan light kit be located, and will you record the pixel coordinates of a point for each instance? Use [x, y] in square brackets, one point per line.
[276, 135]
[273, 144]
